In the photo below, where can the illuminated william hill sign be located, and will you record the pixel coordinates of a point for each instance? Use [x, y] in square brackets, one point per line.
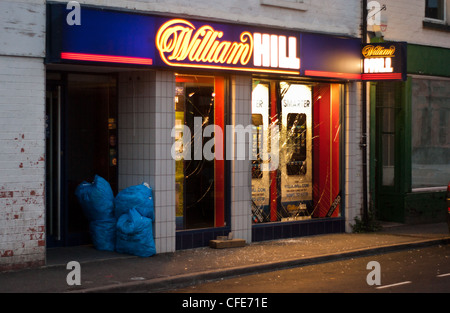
[117, 38]
[384, 61]
[378, 59]
[180, 43]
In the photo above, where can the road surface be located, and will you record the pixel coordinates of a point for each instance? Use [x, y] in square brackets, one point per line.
[424, 270]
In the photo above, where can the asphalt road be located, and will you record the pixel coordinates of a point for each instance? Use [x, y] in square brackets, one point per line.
[424, 270]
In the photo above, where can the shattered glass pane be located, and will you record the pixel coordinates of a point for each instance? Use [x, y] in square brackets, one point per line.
[305, 183]
[195, 174]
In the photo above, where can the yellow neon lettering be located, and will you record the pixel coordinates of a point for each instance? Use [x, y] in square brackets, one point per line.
[222, 49]
[176, 40]
[210, 57]
[210, 43]
[180, 44]
[374, 51]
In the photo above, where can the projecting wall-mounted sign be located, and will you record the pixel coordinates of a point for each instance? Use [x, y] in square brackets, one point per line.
[384, 61]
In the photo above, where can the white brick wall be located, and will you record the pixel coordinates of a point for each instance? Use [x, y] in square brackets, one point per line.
[22, 162]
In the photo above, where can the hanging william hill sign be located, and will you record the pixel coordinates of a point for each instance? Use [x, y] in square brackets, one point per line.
[384, 61]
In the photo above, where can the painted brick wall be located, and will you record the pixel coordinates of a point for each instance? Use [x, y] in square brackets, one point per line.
[332, 16]
[22, 162]
[405, 23]
[22, 25]
[22, 131]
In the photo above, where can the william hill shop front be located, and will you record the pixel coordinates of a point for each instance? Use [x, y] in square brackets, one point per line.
[237, 128]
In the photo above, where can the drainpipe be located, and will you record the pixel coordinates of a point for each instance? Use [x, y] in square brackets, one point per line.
[363, 143]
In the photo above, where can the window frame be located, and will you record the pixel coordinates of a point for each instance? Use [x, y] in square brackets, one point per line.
[300, 5]
[435, 20]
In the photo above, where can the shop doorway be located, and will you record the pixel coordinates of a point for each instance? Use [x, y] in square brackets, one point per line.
[388, 148]
[81, 137]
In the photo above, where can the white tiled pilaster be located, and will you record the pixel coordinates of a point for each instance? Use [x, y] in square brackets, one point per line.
[146, 118]
[241, 112]
[353, 155]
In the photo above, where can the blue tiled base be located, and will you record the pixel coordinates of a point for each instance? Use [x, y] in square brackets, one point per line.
[189, 239]
[283, 230]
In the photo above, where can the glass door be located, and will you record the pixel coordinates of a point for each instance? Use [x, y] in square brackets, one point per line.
[389, 150]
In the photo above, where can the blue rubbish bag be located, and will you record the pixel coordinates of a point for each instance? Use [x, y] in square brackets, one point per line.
[134, 234]
[103, 234]
[96, 199]
[139, 197]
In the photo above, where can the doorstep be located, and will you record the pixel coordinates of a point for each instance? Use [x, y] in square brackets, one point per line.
[226, 243]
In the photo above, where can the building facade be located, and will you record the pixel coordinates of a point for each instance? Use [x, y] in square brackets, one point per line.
[133, 91]
[410, 144]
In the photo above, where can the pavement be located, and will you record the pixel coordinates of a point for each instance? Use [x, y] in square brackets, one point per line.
[110, 272]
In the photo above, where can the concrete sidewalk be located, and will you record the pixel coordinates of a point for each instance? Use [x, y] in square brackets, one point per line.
[112, 272]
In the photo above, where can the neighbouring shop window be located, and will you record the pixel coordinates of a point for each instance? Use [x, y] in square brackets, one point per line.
[435, 9]
[199, 142]
[430, 155]
[298, 126]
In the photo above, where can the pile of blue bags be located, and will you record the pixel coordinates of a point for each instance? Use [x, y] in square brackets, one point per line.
[122, 223]
[134, 210]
